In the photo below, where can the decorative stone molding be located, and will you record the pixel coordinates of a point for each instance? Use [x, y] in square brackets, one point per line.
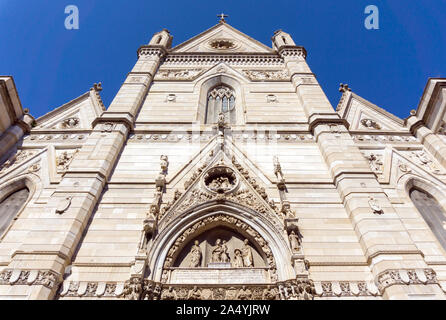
[346, 289]
[20, 157]
[178, 74]
[238, 224]
[44, 278]
[171, 137]
[384, 138]
[375, 161]
[267, 75]
[64, 160]
[369, 123]
[212, 59]
[293, 51]
[56, 137]
[424, 160]
[406, 277]
[146, 51]
[91, 289]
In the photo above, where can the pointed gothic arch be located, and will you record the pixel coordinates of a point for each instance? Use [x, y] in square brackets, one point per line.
[270, 244]
[208, 83]
[14, 196]
[430, 202]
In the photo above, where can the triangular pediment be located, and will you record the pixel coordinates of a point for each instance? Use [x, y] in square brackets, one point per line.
[222, 38]
[362, 115]
[221, 180]
[76, 114]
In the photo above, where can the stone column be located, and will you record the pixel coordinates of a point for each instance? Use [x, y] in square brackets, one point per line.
[381, 233]
[435, 145]
[53, 240]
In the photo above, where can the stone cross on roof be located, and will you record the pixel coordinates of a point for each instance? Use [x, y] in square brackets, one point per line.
[222, 17]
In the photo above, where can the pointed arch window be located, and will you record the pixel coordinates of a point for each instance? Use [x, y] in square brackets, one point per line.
[221, 99]
[432, 212]
[10, 207]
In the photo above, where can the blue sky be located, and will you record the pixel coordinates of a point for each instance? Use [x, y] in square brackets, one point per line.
[389, 66]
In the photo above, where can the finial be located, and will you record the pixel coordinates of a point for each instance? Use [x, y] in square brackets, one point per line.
[222, 17]
[344, 87]
[97, 86]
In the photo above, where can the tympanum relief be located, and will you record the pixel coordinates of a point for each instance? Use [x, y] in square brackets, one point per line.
[221, 248]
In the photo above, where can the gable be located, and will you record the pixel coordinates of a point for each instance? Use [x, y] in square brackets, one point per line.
[363, 115]
[222, 38]
[76, 114]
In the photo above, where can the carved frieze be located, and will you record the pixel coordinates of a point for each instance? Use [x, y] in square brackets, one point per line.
[212, 59]
[45, 278]
[178, 74]
[267, 75]
[405, 277]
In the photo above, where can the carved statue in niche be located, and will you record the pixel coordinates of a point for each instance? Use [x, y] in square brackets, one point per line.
[247, 255]
[217, 252]
[194, 294]
[238, 259]
[164, 164]
[224, 255]
[294, 241]
[195, 261]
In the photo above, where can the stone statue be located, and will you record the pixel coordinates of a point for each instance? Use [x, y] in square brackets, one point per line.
[217, 251]
[294, 241]
[247, 255]
[374, 205]
[168, 295]
[224, 254]
[244, 294]
[133, 289]
[194, 294]
[278, 168]
[196, 255]
[238, 259]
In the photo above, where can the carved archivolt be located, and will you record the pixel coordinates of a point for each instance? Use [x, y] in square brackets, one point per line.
[237, 224]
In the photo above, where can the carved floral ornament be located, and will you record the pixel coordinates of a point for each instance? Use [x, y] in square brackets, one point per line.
[222, 44]
[219, 219]
[227, 184]
[29, 277]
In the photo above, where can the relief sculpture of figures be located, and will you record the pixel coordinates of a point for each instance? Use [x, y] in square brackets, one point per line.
[195, 261]
[247, 255]
[238, 259]
[217, 252]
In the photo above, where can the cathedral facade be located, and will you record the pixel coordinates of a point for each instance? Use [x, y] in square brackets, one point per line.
[221, 171]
